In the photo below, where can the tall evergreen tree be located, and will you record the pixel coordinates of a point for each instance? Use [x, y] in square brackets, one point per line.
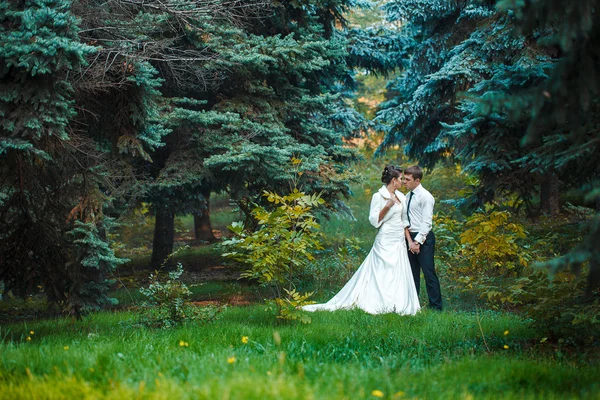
[563, 129]
[280, 97]
[64, 172]
[462, 52]
[50, 209]
[497, 99]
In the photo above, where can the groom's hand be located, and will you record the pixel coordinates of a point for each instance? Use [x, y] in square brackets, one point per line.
[415, 247]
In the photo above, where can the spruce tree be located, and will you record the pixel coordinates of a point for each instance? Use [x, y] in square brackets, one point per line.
[463, 52]
[566, 108]
[279, 96]
[52, 227]
[490, 86]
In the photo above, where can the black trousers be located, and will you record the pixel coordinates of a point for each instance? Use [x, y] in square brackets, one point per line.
[425, 261]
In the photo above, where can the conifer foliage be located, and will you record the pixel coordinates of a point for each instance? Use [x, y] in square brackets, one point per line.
[509, 90]
[107, 104]
[563, 129]
[464, 53]
[50, 211]
[281, 95]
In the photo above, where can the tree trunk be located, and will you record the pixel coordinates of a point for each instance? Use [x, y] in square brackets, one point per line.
[549, 196]
[164, 231]
[202, 228]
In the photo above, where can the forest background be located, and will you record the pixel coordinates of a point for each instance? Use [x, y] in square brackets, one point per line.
[126, 125]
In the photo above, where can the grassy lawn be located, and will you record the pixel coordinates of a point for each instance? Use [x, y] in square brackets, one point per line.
[346, 354]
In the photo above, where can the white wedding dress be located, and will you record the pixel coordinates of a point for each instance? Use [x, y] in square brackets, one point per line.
[384, 282]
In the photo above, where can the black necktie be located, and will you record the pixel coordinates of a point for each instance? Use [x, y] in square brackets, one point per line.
[408, 207]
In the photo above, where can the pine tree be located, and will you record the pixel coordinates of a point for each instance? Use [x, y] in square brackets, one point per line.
[281, 96]
[50, 209]
[566, 108]
[498, 99]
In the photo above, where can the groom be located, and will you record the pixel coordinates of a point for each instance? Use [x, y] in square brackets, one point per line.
[421, 251]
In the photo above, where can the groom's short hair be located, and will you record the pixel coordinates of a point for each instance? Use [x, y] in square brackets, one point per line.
[415, 171]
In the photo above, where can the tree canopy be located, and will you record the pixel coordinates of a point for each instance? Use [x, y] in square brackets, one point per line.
[106, 105]
[508, 89]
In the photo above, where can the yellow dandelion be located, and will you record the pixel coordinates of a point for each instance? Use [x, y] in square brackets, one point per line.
[231, 360]
[28, 338]
[31, 332]
[506, 346]
[399, 394]
[181, 343]
[244, 339]
[377, 393]
[506, 333]
[66, 347]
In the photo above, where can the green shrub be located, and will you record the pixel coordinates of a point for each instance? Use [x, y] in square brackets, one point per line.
[168, 302]
[447, 236]
[490, 243]
[494, 261]
[559, 306]
[281, 247]
[490, 250]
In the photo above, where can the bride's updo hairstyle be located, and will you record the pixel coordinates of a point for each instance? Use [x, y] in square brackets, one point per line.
[390, 172]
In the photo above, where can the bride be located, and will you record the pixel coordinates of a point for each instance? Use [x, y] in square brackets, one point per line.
[384, 282]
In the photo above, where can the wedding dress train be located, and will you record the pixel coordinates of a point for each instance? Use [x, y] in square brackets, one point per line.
[384, 282]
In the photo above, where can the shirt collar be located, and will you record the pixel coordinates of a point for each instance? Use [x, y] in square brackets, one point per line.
[417, 189]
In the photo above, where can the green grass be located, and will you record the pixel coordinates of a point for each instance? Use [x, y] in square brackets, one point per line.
[345, 354]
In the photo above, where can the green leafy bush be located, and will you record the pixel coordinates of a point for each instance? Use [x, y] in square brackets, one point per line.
[289, 307]
[447, 236]
[490, 250]
[559, 306]
[168, 302]
[281, 247]
[495, 261]
[491, 243]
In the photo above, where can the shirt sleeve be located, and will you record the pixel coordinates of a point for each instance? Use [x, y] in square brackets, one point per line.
[405, 223]
[426, 225]
[377, 203]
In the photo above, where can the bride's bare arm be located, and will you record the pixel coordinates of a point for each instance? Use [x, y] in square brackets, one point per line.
[408, 238]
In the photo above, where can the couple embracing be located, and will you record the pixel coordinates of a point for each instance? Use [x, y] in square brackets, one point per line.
[388, 280]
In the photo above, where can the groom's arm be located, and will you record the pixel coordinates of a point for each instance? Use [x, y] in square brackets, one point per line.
[427, 222]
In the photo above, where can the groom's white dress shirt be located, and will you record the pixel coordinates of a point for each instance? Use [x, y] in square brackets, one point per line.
[421, 212]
